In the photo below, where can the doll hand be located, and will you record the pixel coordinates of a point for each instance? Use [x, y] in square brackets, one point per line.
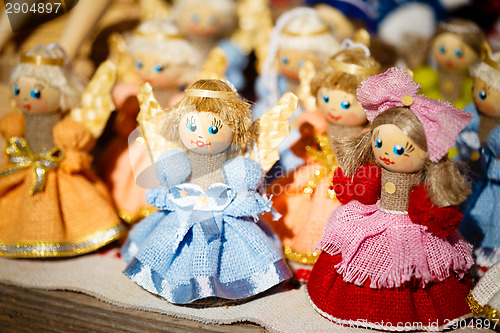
[342, 186]
[75, 161]
[442, 221]
[367, 184]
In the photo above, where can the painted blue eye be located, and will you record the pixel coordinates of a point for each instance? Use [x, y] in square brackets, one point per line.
[192, 127]
[284, 60]
[159, 68]
[300, 63]
[35, 93]
[398, 150]
[138, 64]
[212, 20]
[378, 143]
[16, 90]
[442, 49]
[459, 53]
[195, 18]
[326, 98]
[345, 105]
[213, 130]
[482, 95]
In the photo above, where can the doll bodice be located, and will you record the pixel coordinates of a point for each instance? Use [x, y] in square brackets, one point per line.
[396, 188]
[486, 125]
[38, 130]
[207, 169]
[450, 85]
[335, 131]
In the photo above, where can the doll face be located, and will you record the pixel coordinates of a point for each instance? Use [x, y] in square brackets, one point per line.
[201, 21]
[340, 107]
[452, 53]
[157, 71]
[486, 98]
[395, 151]
[290, 61]
[34, 96]
[205, 133]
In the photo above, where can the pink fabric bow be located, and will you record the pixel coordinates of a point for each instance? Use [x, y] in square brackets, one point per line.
[441, 120]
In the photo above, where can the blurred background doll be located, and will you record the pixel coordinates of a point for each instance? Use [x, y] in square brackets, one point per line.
[161, 56]
[298, 36]
[51, 202]
[303, 196]
[480, 224]
[455, 47]
[392, 253]
[207, 240]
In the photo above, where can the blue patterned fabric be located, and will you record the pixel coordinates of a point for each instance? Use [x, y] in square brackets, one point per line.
[481, 222]
[206, 243]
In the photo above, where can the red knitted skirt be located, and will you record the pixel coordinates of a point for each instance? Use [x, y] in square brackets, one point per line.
[409, 307]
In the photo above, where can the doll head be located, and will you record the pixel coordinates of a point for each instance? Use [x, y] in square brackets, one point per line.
[335, 87]
[486, 91]
[456, 45]
[298, 36]
[42, 83]
[207, 19]
[408, 133]
[162, 56]
[210, 118]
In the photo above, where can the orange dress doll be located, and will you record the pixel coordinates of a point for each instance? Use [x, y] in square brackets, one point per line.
[51, 203]
[303, 196]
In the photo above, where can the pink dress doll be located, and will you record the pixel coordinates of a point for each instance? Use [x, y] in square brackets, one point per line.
[455, 47]
[392, 258]
[303, 196]
[162, 57]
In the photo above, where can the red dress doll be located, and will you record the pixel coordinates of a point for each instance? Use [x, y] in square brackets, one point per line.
[392, 258]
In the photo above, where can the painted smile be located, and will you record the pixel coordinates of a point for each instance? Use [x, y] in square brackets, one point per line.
[201, 143]
[334, 117]
[386, 160]
[27, 106]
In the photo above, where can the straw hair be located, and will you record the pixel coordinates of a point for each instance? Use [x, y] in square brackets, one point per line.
[338, 79]
[233, 111]
[445, 184]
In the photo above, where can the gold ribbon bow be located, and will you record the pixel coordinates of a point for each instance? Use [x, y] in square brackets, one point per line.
[326, 158]
[21, 157]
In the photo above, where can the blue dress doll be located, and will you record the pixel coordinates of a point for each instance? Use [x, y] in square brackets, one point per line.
[480, 224]
[206, 240]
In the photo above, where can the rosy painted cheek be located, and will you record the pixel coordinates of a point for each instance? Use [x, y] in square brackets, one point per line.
[486, 108]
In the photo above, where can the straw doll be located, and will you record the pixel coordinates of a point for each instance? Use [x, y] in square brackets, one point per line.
[206, 240]
[303, 197]
[456, 46]
[392, 254]
[480, 224]
[163, 57]
[51, 203]
[298, 36]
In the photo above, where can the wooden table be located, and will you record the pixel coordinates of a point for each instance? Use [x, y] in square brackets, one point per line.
[33, 310]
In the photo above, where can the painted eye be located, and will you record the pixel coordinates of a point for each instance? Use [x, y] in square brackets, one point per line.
[442, 49]
[398, 150]
[212, 20]
[192, 127]
[195, 18]
[213, 130]
[138, 64]
[159, 68]
[16, 90]
[326, 98]
[345, 105]
[482, 95]
[35, 93]
[284, 60]
[378, 143]
[459, 53]
[300, 63]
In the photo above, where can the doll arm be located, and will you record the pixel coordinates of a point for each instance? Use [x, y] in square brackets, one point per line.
[492, 154]
[172, 168]
[364, 186]
[12, 125]
[442, 221]
[76, 141]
